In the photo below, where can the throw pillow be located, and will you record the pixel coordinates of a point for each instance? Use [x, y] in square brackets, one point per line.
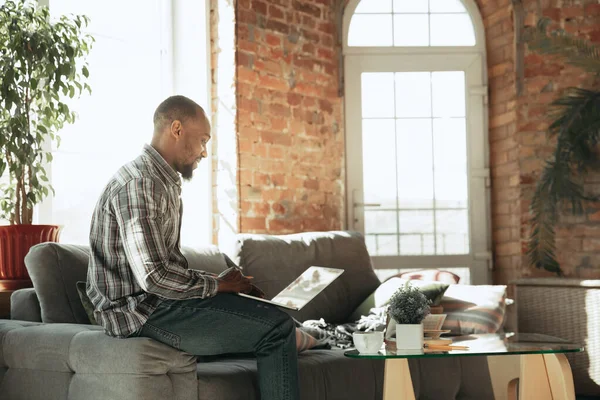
[86, 302]
[434, 291]
[473, 309]
[430, 275]
[304, 341]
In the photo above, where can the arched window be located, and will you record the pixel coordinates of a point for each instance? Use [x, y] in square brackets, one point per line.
[416, 123]
[411, 23]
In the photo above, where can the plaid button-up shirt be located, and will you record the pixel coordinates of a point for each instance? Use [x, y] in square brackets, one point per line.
[135, 259]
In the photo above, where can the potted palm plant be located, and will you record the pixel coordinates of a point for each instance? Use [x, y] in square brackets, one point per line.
[576, 128]
[42, 64]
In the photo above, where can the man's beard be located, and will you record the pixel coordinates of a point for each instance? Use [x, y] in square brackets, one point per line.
[187, 172]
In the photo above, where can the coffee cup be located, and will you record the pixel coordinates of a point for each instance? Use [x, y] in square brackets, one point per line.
[368, 342]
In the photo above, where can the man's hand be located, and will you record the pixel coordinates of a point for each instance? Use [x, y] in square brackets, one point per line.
[234, 282]
[256, 292]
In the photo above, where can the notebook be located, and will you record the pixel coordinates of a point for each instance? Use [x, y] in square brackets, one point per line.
[303, 289]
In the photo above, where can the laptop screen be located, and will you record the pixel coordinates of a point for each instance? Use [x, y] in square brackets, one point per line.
[307, 286]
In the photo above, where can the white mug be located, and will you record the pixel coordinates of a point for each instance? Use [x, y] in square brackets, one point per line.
[368, 342]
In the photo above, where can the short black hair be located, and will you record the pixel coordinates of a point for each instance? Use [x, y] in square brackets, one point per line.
[175, 108]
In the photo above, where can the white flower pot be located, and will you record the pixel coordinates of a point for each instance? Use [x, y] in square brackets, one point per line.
[409, 336]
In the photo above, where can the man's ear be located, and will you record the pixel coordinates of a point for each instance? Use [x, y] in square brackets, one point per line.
[176, 129]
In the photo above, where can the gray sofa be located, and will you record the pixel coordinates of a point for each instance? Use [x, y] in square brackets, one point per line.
[49, 351]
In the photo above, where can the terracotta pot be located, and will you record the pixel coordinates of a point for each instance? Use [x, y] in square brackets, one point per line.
[15, 242]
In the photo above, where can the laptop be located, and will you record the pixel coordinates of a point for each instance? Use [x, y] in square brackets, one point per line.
[302, 290]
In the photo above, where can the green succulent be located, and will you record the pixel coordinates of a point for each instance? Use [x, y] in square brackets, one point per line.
[408, 305]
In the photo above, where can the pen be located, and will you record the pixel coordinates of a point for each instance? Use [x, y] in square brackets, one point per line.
[442, 347]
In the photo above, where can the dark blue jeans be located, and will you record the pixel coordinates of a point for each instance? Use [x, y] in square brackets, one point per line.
[227, 324]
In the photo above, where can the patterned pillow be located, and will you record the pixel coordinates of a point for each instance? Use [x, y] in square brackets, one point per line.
[472, 309]
[304, 341]
[430, 275]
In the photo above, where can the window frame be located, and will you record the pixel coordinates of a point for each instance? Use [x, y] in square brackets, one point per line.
[472, 60]
[469, 5]
[175, 44]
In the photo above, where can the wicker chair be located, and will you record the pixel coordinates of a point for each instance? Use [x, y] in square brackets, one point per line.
[568, 309]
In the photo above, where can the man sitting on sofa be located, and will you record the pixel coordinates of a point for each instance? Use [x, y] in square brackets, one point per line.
[138, 279]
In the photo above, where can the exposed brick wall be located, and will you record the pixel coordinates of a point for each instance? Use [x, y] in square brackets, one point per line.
[578, 238]
[522, 85]
[291, 158]
[498, 19]
[291, 142]
[290, 122]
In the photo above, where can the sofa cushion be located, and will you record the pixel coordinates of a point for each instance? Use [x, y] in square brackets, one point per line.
[275, 261]
[55, 269]
[434, 291]
[304, 341]
[87, 304]
[205, 258]
[430, 275]
[472, 309]
[69, 361]
[25, 306]
[5, 327]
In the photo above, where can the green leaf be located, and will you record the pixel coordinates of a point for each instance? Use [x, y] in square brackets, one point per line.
[575, 123]
[85, 72]
[575, 50]
[39, 58]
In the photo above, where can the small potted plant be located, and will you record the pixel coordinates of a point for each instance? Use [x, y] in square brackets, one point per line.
[407, 309]
[42, 64]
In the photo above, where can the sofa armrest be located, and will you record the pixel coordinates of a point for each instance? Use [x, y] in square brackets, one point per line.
[81, 362]
[25, 305]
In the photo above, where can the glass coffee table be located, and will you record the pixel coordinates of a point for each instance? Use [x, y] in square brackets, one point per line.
[545, 373]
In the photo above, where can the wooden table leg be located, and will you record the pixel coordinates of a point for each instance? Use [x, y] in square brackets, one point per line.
[504, 374]
[513, 389]
[546, 377]
[560, 376]
[397, 384]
